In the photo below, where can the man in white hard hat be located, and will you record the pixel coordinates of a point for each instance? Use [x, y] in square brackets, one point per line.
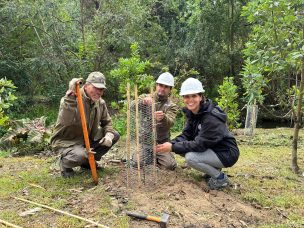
[165, 113]
[68, 138]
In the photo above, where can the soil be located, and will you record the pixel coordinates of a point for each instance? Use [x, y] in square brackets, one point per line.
[189, 203]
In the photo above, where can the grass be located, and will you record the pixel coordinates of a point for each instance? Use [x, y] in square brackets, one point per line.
[262, 177]
[53, 191]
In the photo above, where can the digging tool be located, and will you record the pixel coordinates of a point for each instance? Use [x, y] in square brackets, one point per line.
[163, 220]
[85, 134]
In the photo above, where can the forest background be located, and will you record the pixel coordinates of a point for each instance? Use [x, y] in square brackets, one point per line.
[247, 54]
[244, 52]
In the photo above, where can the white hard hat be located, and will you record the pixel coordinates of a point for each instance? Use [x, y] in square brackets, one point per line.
[166, 79]
[191, 86]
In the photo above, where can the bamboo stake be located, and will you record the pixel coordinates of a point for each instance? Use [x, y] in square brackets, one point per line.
[153, 132]
[137, 133]
[128, 132]
[62, 212]
[9, 224]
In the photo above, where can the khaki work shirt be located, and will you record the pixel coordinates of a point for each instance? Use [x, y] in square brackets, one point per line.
[68, 129]
[170, 109]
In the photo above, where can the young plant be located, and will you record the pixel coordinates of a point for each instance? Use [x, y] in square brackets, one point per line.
[227, 101]
[132, 70]
[6, 98]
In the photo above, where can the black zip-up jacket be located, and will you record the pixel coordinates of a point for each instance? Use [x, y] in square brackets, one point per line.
[207, 129]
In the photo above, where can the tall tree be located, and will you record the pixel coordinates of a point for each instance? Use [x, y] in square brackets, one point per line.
[205, 35]
[276, 47]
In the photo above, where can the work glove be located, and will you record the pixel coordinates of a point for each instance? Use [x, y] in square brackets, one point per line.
[159, 115]
[107, 140]
[72, 86]
[148, 100]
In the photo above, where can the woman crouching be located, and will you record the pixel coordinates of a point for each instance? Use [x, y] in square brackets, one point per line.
[205, 142]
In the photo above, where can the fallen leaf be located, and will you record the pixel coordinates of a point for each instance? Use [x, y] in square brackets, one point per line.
[243, 223]
[30, 212]
[36, 185]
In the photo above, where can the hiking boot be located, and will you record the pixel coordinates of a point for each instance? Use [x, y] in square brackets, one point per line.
[66, 172]
[206, 176]
[215, 183]
[86, 166]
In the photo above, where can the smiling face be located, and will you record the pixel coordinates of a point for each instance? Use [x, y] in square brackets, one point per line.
[92, 92]
[192, 102]
[163, 90]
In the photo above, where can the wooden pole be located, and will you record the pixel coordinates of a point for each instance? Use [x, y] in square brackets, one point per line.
[61, 212]
[137, 134]
[9, 224]
[128, 145]
[85, 133]
[153, 132]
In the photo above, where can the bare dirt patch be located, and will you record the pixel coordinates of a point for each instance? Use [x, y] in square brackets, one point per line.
[188, 202]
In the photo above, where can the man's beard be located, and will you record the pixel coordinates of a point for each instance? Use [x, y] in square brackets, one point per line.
[161, 96]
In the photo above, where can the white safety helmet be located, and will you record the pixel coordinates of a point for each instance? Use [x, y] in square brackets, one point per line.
[166, 79]
[191, 86]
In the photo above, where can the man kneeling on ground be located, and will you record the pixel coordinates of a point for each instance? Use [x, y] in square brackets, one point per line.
[68, 139]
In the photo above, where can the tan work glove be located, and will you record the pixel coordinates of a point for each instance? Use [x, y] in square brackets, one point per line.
[72, 86]
[159, 115]
[107, 140]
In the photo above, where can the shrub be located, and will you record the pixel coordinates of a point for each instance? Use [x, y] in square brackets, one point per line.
[227, 102]
[6, 98]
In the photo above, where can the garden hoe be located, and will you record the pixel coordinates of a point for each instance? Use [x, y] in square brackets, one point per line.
[85, 134]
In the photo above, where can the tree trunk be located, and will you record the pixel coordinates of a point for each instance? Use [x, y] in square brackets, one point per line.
[298, 120]
[231, 37]
[82, 28]
[251, 119]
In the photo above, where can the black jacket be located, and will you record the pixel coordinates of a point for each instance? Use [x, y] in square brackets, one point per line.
[207, 129]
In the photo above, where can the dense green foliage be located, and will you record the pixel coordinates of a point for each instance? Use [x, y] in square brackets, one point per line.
[132, 70]
[46, 43]
[274, 51]
[26, 136]
[227, 101]
[6, 98]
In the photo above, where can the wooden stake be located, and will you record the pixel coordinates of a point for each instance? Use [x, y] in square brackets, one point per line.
[153, 132]
[137, 133]
[62, 212]
[9, 224]
[128, 145]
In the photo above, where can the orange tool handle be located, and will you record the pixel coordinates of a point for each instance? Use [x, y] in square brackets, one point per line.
[153, 218]
[85, 134]
[146, 217]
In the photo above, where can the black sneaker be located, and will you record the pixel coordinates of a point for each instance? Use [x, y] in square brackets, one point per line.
[67, 173]
[215, 183]
[206, 176]
[86, 166]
